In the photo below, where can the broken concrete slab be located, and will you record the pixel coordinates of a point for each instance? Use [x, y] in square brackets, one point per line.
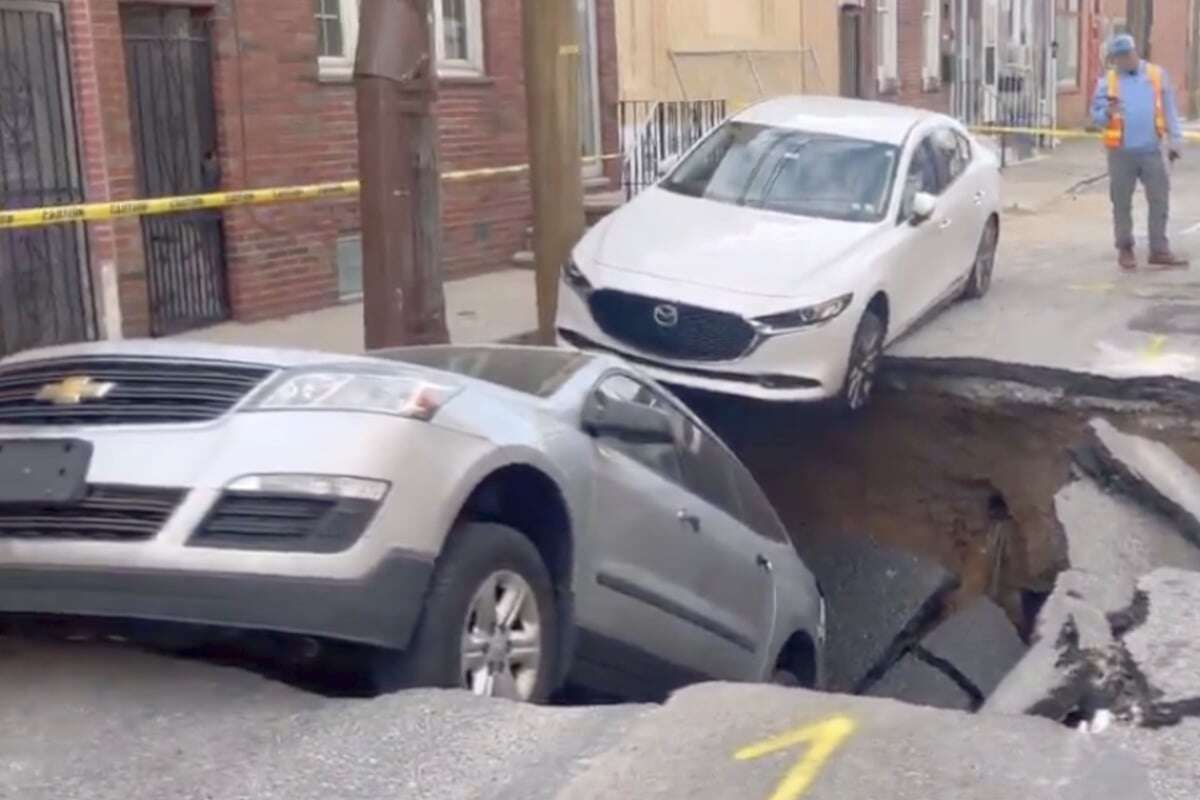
[1110, 534]
[1168, 755]
[916, 682]
[1166, 647]
[979, 644]
[1150, 471]
[1075, 654]
[722, 741]
[879, 601]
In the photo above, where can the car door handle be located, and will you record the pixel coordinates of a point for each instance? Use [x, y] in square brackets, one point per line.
[689, 519]
[764, 563]
[979, 198]
[946, 223]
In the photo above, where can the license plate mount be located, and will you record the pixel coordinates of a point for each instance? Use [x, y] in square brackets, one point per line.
[44, 471]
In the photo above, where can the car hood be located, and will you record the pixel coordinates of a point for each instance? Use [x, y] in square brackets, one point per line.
[706, 243]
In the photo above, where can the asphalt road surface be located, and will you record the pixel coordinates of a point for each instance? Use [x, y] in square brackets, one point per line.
[105, 723]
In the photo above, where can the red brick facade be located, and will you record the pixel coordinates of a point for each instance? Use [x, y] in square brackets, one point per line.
[278, 124]
[911, 88]
[1169, 46]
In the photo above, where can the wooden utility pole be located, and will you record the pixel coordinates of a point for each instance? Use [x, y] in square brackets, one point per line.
[395, 83]
[552, 70]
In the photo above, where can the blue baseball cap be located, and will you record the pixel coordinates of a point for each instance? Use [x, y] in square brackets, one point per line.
[1122, 45]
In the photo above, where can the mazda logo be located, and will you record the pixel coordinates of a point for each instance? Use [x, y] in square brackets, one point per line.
[666, 315]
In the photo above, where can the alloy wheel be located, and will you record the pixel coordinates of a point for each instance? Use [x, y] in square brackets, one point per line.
[864, 363]
[502, 641]
[985, 262]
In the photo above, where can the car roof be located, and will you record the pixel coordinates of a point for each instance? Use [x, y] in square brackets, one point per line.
[839, 116]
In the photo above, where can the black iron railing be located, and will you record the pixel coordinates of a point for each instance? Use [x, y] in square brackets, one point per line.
[655, 132]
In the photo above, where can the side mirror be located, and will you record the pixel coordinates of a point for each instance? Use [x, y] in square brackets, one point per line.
[923, 206]
[629, 422]
[667, 164]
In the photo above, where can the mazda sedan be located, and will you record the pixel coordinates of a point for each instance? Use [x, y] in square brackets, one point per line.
[786, 250]
[499, 519]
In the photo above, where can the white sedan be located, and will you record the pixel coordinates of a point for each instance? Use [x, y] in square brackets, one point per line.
[788, 248]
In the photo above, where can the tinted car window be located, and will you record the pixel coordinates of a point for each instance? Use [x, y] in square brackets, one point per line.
[923, 176]
[537, 371]
[710, 472]
[949, 155]
[757, 511]
[661, 458]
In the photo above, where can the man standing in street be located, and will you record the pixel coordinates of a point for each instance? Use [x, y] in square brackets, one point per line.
[1135, 105]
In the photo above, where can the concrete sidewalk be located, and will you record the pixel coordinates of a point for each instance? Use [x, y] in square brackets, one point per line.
[485, 308]
[1030, 186]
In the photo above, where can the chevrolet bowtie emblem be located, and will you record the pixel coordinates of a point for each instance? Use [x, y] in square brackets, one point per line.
[73, 391]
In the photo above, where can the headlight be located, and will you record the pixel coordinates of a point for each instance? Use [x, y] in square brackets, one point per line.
[807, 316]
[398, 395]
[573, 276]
[314, 485]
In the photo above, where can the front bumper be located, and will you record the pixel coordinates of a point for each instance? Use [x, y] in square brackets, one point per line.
[381, 608]
[369, 592]
[805, 366]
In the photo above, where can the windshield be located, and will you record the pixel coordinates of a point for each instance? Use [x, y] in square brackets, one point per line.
[537, 371]
[790, 171]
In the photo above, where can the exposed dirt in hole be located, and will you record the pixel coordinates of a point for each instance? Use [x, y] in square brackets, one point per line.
[971, 486]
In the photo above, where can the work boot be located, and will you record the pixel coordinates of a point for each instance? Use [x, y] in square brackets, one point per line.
[1127, 259]
[1168, 260]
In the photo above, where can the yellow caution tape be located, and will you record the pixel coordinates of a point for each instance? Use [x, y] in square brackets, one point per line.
[95, 212]
[1059, 133]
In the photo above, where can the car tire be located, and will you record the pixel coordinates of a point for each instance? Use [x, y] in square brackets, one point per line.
[866, 351]
[980, 279]
[483, 569]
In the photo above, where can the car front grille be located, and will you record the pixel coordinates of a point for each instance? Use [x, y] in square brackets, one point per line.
[103, 514]
[671, 330]
[122, 391]
[293, 523]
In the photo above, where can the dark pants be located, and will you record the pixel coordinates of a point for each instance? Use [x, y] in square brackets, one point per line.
[1125, 169]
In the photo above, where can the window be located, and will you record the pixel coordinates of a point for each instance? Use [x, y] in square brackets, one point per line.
[887, 35]
[1066, 26]
[758, 513]
[950, 161]
[710, 472]
[931, 32]
[789, 171]
[540, 373]
[458, 37]
[660, 458]
[922, 177]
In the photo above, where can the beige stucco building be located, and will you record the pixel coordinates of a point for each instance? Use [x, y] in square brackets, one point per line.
[735, 50]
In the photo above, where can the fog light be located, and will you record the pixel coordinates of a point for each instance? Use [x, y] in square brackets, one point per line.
[313, 485]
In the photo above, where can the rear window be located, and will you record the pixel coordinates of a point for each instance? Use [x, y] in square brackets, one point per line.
[539, 372]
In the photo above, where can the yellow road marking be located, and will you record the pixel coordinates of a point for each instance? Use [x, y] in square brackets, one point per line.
[823, 739]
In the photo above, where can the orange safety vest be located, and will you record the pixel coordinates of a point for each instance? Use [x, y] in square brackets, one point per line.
[1114, 134]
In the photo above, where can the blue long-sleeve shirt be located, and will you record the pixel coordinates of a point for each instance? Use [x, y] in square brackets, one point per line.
[1137, 109]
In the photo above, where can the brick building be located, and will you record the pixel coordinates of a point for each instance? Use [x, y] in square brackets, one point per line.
[182, 96]
[896, 50]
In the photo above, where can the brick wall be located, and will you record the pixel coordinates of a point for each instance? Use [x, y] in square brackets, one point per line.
[279, 124]
[910, 58]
